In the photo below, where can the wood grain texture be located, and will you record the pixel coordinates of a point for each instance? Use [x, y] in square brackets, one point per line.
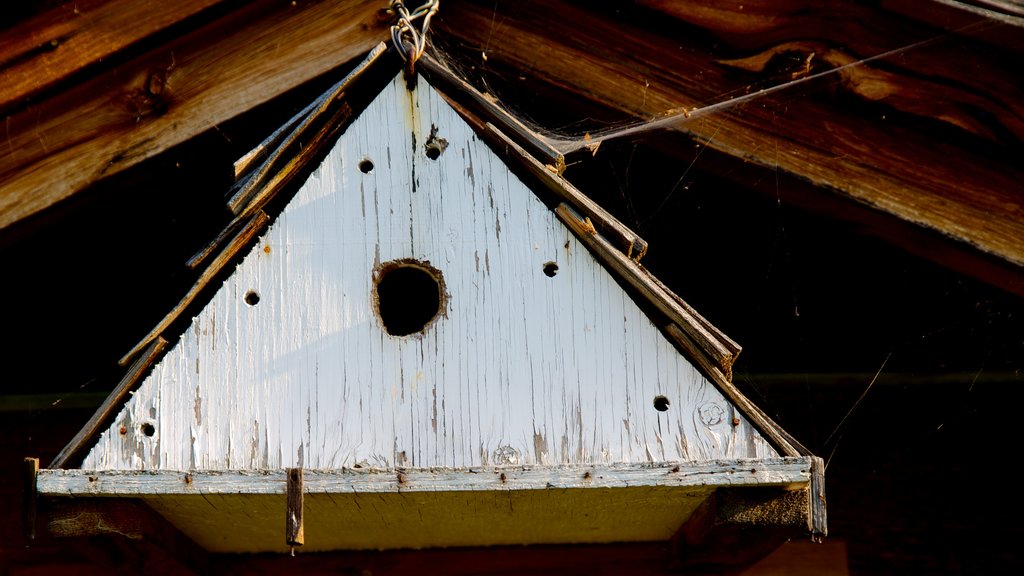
[791, 472]
[49, 48]
[876, 153]
[174, 92]
[386, 509]
[294, 529]
[519, 368]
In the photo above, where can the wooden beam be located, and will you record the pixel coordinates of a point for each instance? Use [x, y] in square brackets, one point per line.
[890, 152]
[48, 49]
[167, 95]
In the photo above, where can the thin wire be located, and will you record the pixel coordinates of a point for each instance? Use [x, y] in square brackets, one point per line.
[861, 398]
[676, 116]
[410, 41]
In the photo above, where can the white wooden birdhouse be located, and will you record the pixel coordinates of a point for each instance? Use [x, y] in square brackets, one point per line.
[423, 351]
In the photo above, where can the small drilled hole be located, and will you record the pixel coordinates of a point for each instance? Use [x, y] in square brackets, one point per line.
[252, 298]
[550, 269]
[148, 429]
[366, 165]
[435, 145]
[661, 403]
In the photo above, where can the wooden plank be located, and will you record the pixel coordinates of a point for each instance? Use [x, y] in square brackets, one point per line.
[387, 508]
[47, 49]
[354, 521]
[172, 93]
[793, 471]
[294, 532]
[718, 352]
[631, 244]
[976, 200]
[75, 449]
[327, 115]
[29, 499]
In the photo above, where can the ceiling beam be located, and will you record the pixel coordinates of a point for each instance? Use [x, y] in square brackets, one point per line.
[116, 116]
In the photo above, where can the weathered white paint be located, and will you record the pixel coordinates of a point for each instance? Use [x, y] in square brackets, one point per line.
[521, 369]
[242, 510]
[717, 473]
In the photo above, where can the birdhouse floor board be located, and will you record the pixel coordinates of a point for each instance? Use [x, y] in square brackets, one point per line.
[242, 511]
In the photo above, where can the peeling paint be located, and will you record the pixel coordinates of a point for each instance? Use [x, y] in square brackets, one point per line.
[525, 369]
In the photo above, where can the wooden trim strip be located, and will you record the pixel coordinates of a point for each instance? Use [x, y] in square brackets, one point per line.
[29, 499]
[294, 530]
[631, 272]
[727, 342]
[299, 139]
[632, 245]
[790, 472]
[330, 105]
[487, 108]
[783, 442]
[253, 227]
[819, 513]
[73, 452]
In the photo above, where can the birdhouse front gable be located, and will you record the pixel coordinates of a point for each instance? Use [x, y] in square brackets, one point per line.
[415, 305]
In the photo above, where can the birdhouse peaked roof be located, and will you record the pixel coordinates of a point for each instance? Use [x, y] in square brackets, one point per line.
[418, 322]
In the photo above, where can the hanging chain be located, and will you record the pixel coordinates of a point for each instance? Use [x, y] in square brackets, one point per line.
[409, 41]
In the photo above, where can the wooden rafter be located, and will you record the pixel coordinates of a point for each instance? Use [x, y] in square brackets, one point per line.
[119, 116]
[887, 137]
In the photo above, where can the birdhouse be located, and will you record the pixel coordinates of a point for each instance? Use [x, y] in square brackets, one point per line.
[434, 341]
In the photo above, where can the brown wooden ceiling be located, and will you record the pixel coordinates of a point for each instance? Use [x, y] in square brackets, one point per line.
[922, 146]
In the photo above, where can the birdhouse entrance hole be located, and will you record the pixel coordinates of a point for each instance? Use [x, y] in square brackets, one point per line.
[409, 295]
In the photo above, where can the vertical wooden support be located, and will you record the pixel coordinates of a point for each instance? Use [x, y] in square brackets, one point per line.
[818, 515]
[294, 535]
[28, 512]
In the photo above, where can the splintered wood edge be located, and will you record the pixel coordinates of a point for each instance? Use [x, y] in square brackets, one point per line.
[252, 228]
[112, 403]
[295, 129]
[720, 354]
[792, 473]
[469, 97]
